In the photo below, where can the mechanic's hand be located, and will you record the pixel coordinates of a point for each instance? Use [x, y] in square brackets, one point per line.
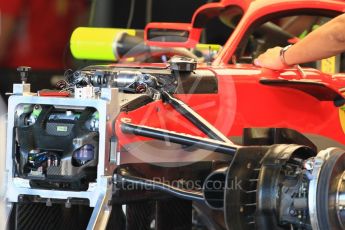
[271, 59]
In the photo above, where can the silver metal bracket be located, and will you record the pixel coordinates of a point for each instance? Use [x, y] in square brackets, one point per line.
[21, 89]
[101, 212]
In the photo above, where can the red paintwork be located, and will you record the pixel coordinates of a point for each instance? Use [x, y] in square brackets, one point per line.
[242, 101]
[204, 12]
[215, 8]
[53, 94]
[194, 34]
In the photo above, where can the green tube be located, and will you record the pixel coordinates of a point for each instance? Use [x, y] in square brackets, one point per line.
[96, 43]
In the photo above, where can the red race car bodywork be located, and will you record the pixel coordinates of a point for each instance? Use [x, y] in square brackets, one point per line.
[242, 101]
[226, 144]
[249, 96]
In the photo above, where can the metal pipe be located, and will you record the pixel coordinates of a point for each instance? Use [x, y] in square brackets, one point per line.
[156, 185]
[184, 139]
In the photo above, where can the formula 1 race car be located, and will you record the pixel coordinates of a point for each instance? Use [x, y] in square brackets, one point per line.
[181, 144]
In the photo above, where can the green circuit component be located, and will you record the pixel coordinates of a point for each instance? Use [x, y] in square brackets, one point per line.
[37, 110]
[95, 115]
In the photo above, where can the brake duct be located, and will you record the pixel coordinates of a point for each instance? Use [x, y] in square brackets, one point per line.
[280, 186]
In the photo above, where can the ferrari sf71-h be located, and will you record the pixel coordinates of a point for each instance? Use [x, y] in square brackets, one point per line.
[182, 144]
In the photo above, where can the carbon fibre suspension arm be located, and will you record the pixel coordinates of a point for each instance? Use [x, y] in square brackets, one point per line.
[207, 128]
[179, 138]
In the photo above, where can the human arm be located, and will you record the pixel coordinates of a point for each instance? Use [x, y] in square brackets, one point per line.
[326, 41]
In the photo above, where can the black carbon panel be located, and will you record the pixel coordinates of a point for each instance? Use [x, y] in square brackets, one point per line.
[59, 129]
[139, 216]
[38, 216]
[174, 214]
[54, 170]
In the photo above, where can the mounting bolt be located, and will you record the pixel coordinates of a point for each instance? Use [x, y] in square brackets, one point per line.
[309, 165]
[48, 202]
[292, 212]
[24, 73]
[68, 204]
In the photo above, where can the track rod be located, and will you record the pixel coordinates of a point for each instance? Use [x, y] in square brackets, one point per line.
[179, 138]
[155, 185]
